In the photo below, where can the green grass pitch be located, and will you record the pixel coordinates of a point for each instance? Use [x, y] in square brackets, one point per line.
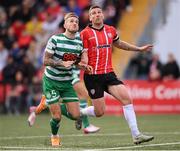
[114, 134]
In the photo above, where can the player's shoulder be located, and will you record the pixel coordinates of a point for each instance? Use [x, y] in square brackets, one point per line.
[85, 30]
[109, 27]
[77, 36]
[56, 36]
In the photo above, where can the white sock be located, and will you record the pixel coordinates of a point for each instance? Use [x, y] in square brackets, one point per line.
[88, 111]
[130, 117]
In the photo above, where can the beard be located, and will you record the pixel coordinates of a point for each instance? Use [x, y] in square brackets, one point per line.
[72, 31]
[98, 21]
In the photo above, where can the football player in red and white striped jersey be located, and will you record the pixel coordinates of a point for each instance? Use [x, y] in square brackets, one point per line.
[98, 40]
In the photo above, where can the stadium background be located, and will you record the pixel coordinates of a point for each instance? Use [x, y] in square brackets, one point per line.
[25, 26]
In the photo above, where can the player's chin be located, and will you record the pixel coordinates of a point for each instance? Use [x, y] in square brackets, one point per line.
[74, 30]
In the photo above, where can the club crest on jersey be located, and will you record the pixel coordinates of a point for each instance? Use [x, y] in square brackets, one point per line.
[78, 47]
[109, 35]
[92, 91]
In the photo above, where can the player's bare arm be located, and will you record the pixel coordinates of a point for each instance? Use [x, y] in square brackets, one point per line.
[83, 64]
[129, 47]
[48, 61]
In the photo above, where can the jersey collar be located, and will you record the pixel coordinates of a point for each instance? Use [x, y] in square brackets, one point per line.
[90, 25]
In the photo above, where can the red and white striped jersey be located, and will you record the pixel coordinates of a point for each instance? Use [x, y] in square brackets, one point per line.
[98, 44]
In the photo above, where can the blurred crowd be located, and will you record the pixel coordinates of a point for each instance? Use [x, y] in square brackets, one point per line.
[25, 26]
[150, 67]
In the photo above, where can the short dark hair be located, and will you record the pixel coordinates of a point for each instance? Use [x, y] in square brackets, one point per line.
[93, 7]
[70, 14]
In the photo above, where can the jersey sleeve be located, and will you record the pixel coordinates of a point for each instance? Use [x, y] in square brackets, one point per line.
[115, 35]
[51, 45]
[84, 39]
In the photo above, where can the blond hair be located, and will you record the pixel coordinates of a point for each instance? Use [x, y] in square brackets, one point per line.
[71, 14]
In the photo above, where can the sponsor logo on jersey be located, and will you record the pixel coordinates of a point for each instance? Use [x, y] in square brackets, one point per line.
[78, 47]
[103, 46]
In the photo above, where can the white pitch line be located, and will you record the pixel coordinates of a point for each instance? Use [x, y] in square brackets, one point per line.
[139, 146]
[115, 148]
[32, 148]
[89, 135]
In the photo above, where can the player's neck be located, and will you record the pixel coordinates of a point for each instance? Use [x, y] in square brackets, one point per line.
[97, 26]
[69, 35]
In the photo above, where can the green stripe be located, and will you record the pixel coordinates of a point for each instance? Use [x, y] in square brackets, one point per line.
[53, 41]
[68, 50]
[64, 69]
[69, 42]
[58, 75]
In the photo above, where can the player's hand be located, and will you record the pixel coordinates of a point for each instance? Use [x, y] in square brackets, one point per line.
[87, 68]
[67, 63]
[147, 47]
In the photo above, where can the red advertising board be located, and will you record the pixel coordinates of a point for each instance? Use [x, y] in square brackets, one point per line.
[149, 97]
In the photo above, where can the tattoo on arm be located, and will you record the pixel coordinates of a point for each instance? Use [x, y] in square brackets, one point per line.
[49, 61]
[125, 46]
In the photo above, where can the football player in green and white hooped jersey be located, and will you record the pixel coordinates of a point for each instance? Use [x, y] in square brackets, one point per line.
[61, 53]
[63, 49]
[62, 74]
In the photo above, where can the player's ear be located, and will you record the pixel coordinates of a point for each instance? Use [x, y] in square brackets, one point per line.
[64, 25]
[103, 16]
[90, 18]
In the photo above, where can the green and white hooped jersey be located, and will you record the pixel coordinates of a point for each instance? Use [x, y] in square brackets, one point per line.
[64, 49]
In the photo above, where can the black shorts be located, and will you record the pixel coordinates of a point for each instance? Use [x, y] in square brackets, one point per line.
[97, 84]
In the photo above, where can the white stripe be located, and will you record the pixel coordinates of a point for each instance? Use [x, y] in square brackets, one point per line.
[68, 46]
[29, 148]
[49, 51]
[70, 98]
[106, 50]
[97, 58]
[57, 71]
[84, 135]
[59, 52]
[113, 148]
[64, 38]
[58, 78]
[139, 146]
[64, 67]
[56, 58]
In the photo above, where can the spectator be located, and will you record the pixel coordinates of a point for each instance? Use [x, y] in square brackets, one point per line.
[17, 53]
[54, 8]
[18, 27]
[24, 40]
[4, 24]
[112, 12]
[170, 69]
[14, 96]
[35, 93]
[28, 70]
[34, 53]
[34, 26]
[142, 67]
[73, 7]
[51, 24]
[10, 38]
[9, 71]
[3, 54]
[84, 18]
[23, 13]
[83, 4]
[155, 68]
